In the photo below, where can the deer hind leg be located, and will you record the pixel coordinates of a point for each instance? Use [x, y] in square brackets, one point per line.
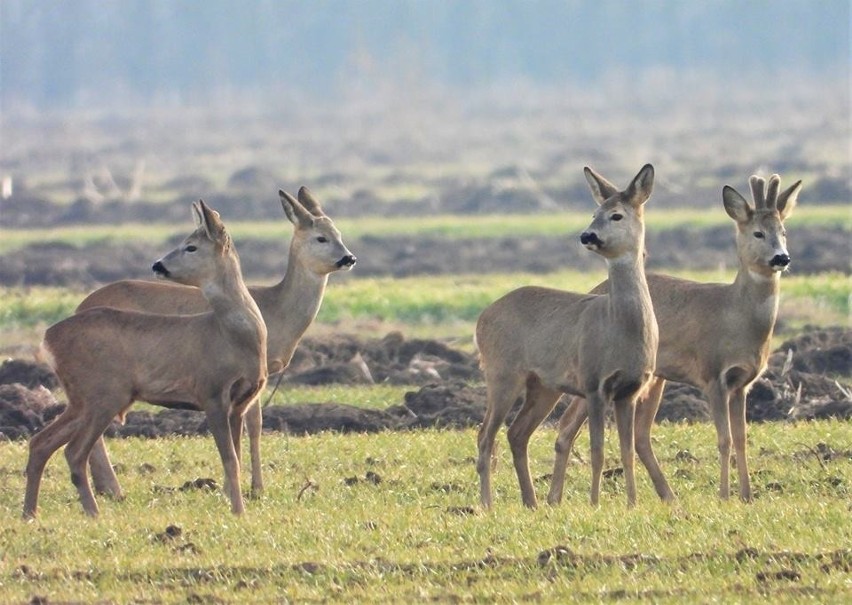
[570, 423]
[624, 420]
[738, 433]
[646, 412]
[717, 395]
[219, 424]
[503, 390]
[254, 427]
[538, 404]
[77, 454]
[42, 446]
[103, 474]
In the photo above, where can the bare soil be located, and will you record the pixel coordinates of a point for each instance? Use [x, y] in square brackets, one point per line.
[808, 377]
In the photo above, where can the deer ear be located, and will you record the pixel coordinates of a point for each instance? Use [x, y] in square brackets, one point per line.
[601, 188]
[736, 205]
[639, 190]
[311, 204]
[296, 213]
[211, 222]
[787, 200]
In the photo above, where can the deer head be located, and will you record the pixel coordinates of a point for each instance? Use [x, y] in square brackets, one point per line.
[316, 240]
[617, 226]
[761, 237]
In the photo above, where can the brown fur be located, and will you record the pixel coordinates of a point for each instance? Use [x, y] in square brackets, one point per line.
[288, 308]
[107, 358]
[712, 336]
[545, 342]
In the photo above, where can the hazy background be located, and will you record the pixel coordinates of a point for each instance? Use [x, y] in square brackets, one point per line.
[382, 99]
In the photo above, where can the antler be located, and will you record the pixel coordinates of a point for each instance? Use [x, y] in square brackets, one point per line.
[772, 191]
[758, 191]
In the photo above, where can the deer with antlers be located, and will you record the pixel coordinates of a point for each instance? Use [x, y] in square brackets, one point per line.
[108, 358]
[288, 308]
[712, 336]
[544, 342]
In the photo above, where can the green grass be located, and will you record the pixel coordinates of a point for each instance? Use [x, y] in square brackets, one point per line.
[323, 532]
[449, 226]
[443, 306]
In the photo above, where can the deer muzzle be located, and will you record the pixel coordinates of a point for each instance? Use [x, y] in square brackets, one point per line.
[160, 269]
[347, 261]
[590, 240]
[780, 261]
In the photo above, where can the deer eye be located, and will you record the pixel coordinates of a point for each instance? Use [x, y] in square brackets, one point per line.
[322, 239]
[759, 234]
[616, 217]
[191, 248]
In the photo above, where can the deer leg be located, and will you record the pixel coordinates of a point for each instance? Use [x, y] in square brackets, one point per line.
[738, 432]
[537, 405]
[624, 420]
[42, 446]
[718, 399]
[502, 393]
[596, 404]
[218, 422]
[253, 419]
[77, 455]
[103, 475]
[646, 411]
[569, 426]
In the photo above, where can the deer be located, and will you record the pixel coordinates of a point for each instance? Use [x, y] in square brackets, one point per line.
[543, 342]
[713, 336]
[107, 358]
[288, 309]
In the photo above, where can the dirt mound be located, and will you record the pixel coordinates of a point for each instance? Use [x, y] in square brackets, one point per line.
[807, 378]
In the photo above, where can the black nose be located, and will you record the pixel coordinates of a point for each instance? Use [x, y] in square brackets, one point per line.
[347, 261]
[780, 260]
[587, 238]
[160, 269]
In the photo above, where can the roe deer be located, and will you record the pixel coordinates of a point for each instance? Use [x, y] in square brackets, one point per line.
[549, 342]
[288, 308]
[108, 358]
[712, 336]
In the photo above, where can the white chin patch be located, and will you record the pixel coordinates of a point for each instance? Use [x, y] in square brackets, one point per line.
[593, 247]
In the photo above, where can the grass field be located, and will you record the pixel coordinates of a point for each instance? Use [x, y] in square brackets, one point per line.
[449, 226]
[393, 517]
[438, 306]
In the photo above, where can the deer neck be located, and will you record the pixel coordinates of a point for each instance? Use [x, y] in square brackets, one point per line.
[293, 305]
[630, 307]
[757, 295]
[234, 307]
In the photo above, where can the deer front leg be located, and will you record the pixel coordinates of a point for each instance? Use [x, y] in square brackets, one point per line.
[103, 474]
[717, 395]
[217, 420]
[739, 433]
[646, 412]
[596, 404]
[254, 427]
[624, 420]
[537, 405]
[569, 427]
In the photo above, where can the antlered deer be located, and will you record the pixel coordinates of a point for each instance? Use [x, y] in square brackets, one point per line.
[107, 358]
[548, 342]
[288, 308]
[712, 336]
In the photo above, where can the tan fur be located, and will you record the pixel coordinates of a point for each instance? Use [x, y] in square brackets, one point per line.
[712, 336]
[108, 358]
[544, 342]
[288, 308]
